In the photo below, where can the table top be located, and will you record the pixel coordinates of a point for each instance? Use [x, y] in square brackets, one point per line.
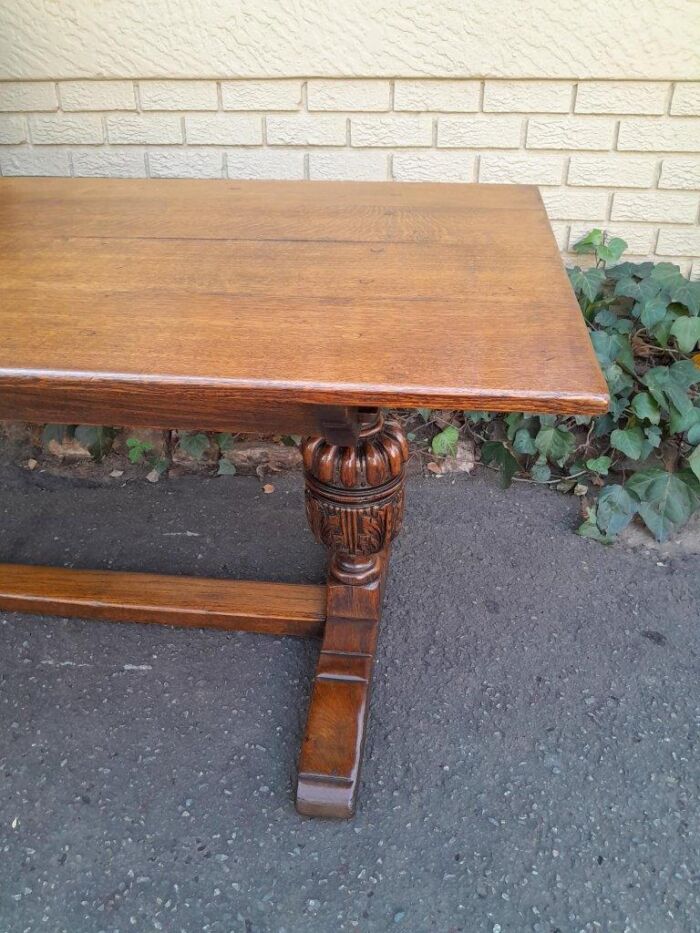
[331, 293]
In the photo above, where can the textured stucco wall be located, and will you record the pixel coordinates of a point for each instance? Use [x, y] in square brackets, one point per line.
[597, 103]
[369, 38]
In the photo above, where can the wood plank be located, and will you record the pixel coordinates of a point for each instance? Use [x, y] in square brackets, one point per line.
[263, 293]
[228, 605]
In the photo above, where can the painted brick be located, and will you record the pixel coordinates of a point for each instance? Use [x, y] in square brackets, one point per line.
[497, 132]
[391, 131]
[686, 99]
[261, 95]
[678, 241]
[178, 95]
[12, 130]
[528, 96]
[145, 129]
[622, 97]
[639, 238]
[570, 133]
[28, 95]
[575, 204]
[42, 161]
[446, 96]
[97, 95]
[348, 95]
[561, 233]
[680, 173]
[64, 128]
[626, 171]
[660, 206]
[695, 271]
[351, 165]
[521, 168]
[659, 135]
[434, 166]
[303, 130]
[265, 163]
[186, 163]
[109, 163]
[225, 129]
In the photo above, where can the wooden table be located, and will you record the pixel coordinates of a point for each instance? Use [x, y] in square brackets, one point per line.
[273, 306]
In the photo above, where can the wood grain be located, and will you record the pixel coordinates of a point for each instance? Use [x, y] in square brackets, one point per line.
[249, 294]
[229, 605]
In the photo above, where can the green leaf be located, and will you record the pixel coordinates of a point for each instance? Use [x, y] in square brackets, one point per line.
[653, 311]
[587, 283]
[615, 509]
[686, 330]
[425, 413]
[497, 453]
[226, 468]
[224, 440]
[160, 465]
[665, 273]
[612, 250]
[628, 441]
[646, 408]
[194, 444]
[137, 449]
[524, 443]
[589, 243]
[666, 500]
[694, 432]
[627, 287]
[590, 529]
[555, 444]
[54, 432]
[98, 440]
[694, 461]
[688, 421]
[476, 417]
[445, 443]
[599, 465]
[541, 472]
[688, 294]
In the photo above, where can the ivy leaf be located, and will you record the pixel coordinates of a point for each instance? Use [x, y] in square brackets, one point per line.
[445, 443]
[628, 441]
[590, 242]
[194, 444]
[646, 408]
[688, 294]
[612, 250]
[627, 287]
[599, 465]
[226, 468]
[224, 440]
[665, 500]
[615, 509]
[497, 453]
[588, 283]
[425, 413]
[653, 311]
[540, 472]
[590, 529]
[474, 416]
[555, 444]
[524, 442]
[694, 461]
[694, 432]
[686, 330]
[665, 273]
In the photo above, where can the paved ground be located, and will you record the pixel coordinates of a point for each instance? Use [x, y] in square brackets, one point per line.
[532, 757]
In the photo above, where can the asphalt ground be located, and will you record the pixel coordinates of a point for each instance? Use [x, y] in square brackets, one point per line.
[532, 755]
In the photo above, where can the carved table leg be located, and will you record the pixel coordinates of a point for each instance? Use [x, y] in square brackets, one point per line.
[354, 502]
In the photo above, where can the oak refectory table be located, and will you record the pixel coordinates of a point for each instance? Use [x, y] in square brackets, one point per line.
[295, 307]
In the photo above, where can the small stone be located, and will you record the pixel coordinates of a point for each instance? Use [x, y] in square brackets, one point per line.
[115, 474]
[399, 915]
[268, 488]
[69, 449]
[153, 476]
[32, 464]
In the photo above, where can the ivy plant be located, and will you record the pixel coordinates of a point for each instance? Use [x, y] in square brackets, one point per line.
[644, 323]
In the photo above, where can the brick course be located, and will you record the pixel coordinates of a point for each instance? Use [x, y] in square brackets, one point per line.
[622, 155]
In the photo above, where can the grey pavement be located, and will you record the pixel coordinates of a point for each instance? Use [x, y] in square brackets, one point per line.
[532, 757]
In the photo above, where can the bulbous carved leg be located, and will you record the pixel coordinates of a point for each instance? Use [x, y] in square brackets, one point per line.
[354, 501]
[354, 497]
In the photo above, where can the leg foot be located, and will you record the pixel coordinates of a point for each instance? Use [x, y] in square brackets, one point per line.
[331, 753]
